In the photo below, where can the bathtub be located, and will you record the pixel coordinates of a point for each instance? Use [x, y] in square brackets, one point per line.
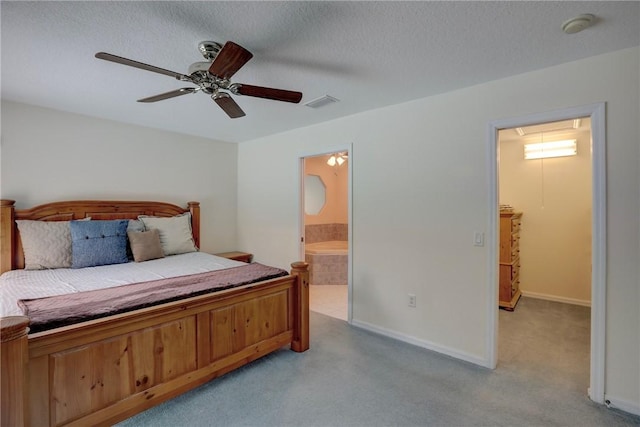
[333, 247]
[327, 262]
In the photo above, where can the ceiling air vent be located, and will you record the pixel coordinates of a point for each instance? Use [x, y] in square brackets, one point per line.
[321, 102]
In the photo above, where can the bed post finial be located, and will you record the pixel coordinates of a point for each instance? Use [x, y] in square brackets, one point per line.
[14, 353]
[7, 234]
[301, 299]
[194, 208]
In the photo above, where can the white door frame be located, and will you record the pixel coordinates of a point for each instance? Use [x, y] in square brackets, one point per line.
[320, 152]
[598, 237]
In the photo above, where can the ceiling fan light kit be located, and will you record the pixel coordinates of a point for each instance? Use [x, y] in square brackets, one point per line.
[212, 77]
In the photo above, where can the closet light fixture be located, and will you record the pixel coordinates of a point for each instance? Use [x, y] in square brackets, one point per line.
[545, 150]
[337, 159]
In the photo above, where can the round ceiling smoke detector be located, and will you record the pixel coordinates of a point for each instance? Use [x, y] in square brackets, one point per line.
[579, 23]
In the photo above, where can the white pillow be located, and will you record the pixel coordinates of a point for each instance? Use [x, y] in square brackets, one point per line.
[46, 244]
[175, 232]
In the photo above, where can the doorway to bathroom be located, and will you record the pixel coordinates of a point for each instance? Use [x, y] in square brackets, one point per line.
[325, 231]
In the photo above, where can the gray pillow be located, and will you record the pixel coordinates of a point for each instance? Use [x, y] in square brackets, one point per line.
[145, 245]
[135, 225]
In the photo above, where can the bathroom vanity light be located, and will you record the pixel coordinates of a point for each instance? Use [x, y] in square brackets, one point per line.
[550, 149]
[337, 159]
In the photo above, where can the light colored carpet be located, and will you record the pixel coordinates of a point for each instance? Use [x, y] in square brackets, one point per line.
[546, 339]
[351, 377]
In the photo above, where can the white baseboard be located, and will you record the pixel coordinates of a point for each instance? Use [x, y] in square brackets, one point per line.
[574, 301]
[623, 405]
[467, 357]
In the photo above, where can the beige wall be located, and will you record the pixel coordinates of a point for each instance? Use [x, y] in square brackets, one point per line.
[555, 198]
[413, 221]
[49, 155]
[335, 179]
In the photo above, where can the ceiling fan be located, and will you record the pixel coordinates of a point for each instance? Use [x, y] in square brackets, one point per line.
[212, 77]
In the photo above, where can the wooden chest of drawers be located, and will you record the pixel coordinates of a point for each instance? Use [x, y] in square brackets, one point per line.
[509, 259]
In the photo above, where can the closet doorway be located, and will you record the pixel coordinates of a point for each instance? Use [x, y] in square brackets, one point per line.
[594, 115]
[325, 241]
[545, 199]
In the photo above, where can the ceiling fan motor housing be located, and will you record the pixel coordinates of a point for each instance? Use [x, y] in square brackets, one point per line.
[209, 49]
[199, 66]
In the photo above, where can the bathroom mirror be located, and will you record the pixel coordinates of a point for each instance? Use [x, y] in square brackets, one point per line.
[314, 194]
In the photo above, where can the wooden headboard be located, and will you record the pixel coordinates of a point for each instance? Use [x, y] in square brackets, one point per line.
[12, 257]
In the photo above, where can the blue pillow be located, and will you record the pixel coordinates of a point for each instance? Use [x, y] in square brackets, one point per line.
[98, 243]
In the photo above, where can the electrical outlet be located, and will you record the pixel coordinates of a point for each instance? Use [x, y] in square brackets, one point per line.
[412, 300]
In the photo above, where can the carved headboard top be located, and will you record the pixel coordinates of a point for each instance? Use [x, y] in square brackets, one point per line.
[11, 248]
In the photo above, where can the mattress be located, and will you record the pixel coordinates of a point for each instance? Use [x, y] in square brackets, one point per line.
[30, 284]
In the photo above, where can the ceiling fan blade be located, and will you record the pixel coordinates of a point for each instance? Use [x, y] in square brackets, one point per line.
[229, 106]
[229, 60]
[268, 93]
[132, 63]
[167, 95]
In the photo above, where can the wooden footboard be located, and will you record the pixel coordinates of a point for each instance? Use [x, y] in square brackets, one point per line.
[106, 370]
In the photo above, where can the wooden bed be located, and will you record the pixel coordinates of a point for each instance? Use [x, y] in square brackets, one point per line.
[106, 370]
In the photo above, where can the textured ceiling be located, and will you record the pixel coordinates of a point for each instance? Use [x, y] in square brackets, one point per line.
[366, 54]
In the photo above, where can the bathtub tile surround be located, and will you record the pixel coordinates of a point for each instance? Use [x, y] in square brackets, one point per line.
[327, 269]
[325, 232]
[326, 251]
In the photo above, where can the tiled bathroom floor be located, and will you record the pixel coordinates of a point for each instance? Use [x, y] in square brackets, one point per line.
[330, 300]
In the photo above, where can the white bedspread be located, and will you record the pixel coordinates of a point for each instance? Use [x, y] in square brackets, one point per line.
[22, 284]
